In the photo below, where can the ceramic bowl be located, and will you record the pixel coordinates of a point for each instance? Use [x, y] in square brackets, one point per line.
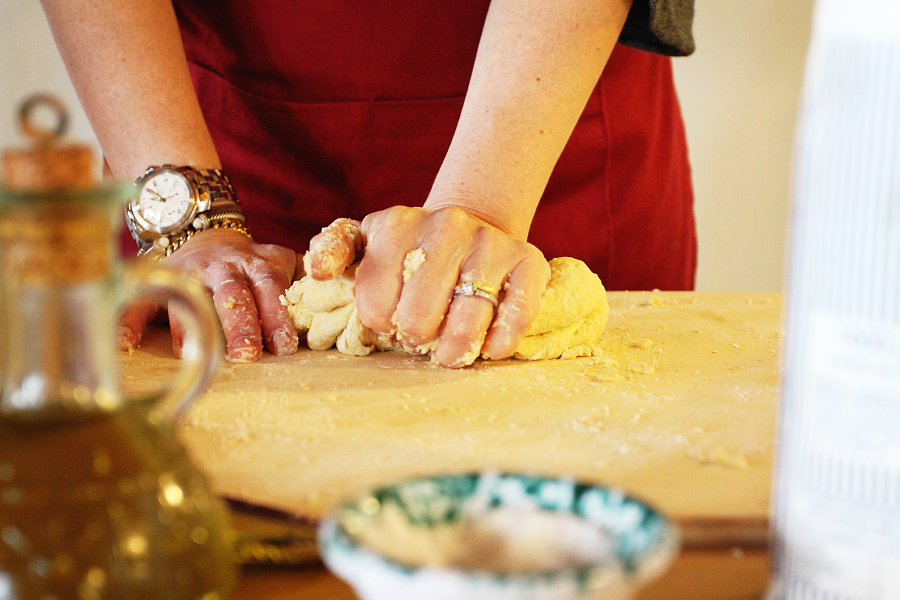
[496, 537]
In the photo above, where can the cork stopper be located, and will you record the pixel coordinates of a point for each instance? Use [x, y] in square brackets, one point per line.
[55, 222]
[48, 165]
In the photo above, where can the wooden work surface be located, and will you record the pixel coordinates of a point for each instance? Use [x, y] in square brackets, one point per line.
[722, 574]
[680, 410]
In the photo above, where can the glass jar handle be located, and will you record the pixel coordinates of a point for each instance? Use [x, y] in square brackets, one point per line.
[203, 348]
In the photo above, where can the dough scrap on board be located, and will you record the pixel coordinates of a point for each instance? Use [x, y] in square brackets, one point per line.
[573, 313]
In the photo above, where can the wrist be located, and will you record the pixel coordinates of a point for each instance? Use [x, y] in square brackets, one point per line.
[509, 215]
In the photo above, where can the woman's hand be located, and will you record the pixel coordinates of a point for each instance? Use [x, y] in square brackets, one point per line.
[246, 280]
[416, 304]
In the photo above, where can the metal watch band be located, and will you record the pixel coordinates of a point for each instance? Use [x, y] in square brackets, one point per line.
[219, 187]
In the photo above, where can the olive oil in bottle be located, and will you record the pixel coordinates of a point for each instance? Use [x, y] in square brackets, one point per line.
[98, 499]
[106, 505]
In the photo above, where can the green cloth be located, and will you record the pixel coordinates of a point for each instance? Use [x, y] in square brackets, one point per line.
[660, 26]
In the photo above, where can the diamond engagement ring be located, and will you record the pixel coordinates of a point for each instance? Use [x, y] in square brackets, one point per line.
[476, 288]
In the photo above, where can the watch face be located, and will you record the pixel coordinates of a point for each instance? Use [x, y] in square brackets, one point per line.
[165, 199]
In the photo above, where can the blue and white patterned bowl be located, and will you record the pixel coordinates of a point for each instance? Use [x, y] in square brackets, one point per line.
[496, 537]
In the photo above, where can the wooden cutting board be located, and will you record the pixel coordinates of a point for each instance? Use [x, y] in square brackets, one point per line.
[679, 410]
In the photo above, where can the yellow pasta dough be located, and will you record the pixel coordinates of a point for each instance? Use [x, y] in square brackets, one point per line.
[573, 313]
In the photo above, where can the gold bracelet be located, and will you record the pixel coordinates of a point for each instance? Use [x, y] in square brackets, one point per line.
[232, 224]
[214, 223]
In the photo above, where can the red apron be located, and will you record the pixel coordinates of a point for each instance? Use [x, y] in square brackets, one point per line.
[323, 109]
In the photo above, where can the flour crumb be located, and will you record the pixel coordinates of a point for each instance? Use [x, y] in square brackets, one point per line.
[413, 260]
[722, 457]
[588, 424]
[581, 350]
[656, 302]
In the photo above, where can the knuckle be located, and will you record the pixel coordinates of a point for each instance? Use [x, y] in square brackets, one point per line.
[373, 226]
[275, 253]
[392, 217]
[212, 272]
[450, 218]
[263, 272]
[536, 257]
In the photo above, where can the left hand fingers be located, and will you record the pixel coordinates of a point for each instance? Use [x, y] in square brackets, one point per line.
[133, 321]
[246, 280]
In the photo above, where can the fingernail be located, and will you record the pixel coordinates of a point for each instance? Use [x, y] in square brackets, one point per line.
[284, 342]
[242, 355]
[245, 353]
[495, 356]
[465, 360]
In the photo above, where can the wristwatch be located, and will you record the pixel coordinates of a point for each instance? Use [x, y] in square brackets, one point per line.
[173, 203]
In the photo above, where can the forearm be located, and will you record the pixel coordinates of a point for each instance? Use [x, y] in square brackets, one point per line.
[537, 64]
[127, 63]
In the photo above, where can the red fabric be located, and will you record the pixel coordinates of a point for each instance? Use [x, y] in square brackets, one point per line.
[324, 109]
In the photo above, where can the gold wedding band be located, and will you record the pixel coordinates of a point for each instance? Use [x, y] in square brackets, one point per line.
[476, 288]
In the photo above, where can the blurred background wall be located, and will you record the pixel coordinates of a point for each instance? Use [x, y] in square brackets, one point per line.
[29, 62]
[739, 93]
